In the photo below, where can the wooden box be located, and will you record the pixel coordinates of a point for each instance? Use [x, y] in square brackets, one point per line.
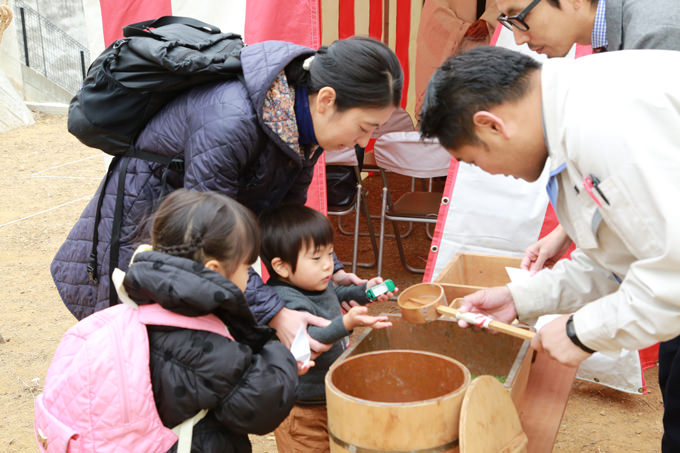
[478, 270]
[470, 272]
[482, 353]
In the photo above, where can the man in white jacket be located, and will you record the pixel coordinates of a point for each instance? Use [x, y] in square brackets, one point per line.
[610, 124]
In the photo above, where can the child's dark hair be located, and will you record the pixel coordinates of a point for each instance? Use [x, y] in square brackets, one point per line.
[363, 71]
[204, 225]
[288, 228]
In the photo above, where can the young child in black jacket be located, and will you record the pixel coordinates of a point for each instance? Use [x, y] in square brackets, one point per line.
[203, 244]
[297, 248]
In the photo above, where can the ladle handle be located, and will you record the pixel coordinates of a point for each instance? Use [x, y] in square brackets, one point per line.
[485, 321]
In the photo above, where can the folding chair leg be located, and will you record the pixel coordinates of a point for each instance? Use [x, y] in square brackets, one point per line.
[371, 232]
[357, 217]
[361, 206]
[402, 255]
[382, 230]
[430, 234]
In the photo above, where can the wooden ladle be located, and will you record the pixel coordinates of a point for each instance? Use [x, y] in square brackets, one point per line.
[481, 320]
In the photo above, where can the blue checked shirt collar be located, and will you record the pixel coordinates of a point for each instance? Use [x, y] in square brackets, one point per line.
[552, 187]
[599, 35]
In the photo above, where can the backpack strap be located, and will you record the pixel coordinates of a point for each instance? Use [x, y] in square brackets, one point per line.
[143, 28]
[155, 315]
[185, 431]
[92, 264]
[114, 243]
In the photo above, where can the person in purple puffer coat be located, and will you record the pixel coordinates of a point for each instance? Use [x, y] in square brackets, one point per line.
[255, 139]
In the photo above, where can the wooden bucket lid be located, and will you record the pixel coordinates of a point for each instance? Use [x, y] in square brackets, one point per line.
[489, 422]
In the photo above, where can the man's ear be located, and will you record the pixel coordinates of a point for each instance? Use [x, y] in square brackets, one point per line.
[281, 268]
[325, 99]
[578, 4]
[487, 123]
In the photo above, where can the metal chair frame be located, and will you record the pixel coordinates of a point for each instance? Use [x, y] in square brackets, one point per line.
[407, 154]
[359, 206]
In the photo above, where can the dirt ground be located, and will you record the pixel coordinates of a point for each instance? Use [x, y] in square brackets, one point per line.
[48, 177]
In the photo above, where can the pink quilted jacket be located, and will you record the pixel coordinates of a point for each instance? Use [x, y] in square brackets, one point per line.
[98, 395]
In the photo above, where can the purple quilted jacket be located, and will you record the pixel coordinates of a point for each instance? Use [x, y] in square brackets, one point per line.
[219, 132]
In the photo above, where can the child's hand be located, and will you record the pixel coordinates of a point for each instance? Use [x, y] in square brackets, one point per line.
[303, 367]
[358, 317]
[346, 306]
[383, 297]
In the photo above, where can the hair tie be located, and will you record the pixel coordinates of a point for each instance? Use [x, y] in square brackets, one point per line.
[307, 63]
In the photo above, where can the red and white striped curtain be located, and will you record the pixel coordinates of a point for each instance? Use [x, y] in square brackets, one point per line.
[395, 22]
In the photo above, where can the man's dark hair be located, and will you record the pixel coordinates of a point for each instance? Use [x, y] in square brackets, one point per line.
[288, 228]
[476, 80]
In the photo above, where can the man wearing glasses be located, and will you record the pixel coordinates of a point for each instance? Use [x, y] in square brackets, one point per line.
[552, 27]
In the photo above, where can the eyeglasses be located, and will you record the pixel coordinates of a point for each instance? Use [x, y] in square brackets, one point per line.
[517, 20]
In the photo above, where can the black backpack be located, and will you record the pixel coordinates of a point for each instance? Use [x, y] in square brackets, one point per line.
[138, 74]
[129, 83]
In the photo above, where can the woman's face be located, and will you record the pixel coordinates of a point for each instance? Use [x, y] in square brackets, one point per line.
[337, 130]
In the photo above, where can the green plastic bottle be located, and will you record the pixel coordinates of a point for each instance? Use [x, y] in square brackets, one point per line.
[378, 290]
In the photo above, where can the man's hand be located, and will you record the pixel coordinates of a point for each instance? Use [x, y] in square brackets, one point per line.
[553, 340]
[496, 302]
[287, 323]
[547, 251]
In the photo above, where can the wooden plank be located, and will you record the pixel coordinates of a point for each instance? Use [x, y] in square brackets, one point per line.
[544, 402]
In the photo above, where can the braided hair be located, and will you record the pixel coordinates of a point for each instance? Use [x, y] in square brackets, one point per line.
[206, 225]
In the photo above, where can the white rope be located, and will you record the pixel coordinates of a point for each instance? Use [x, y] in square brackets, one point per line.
[67, 163]
[45, 211]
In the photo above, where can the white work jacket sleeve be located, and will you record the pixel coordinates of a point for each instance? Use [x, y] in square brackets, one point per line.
[563, 289]
[638, 238]
[642, 190]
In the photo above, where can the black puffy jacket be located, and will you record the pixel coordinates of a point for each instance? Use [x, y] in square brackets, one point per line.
[248, 385]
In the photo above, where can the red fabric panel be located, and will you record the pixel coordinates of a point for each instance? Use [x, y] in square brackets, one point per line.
[550, 222]
[582, 51]
[375, 19]
[649, 357]
[118, 13]
[345, 19]
[402, 44]
[316, 194]
[496, 34]
[441, 221]
[296, 21]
